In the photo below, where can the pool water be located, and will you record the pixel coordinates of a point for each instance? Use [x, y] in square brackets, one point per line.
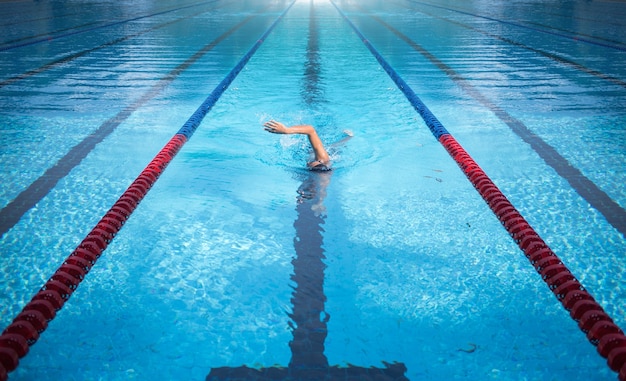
[417, 269]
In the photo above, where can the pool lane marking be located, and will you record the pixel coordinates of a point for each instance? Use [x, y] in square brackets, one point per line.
[571, 38]
[50, 38]
[17, 19]
[308, 361]
[312, 92]
[26, 327]
[552, 56]
[587, 189]
[598, 326]
[38, 189]
[71, 57]
[309, 329]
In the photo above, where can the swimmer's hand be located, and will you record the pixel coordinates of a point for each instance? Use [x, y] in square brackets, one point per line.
[275, 127]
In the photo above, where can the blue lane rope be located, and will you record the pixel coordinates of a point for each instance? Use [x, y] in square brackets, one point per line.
[431, 120]
[194, 121]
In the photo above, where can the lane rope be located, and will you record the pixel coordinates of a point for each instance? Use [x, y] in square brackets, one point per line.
[27, 326]
[598, 326]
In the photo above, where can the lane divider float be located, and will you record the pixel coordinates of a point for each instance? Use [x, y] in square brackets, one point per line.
[28, 325]
[592, 320]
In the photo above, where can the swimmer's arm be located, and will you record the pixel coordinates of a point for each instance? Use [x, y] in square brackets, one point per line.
[316, 143]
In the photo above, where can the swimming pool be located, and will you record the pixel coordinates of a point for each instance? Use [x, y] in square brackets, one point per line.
[415, 269]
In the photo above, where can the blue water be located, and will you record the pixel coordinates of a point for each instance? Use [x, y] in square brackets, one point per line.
[419, 270]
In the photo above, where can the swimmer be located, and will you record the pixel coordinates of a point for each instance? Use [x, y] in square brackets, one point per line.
[322, 160]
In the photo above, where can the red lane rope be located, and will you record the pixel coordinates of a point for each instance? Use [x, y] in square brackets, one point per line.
[33, 320]
[600, 329]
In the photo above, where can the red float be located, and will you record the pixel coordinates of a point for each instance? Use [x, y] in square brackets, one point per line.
[8, 358]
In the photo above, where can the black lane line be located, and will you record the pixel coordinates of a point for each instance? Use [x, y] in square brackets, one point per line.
[580, 19]
[575, 39]
[20, 22]
[309, 328]
[47, 35]
[608, 40]
[596, 197]
[71, 57]
[28, 198]
[49, 38]
[309, 318]
[312, 91]
[552, 56]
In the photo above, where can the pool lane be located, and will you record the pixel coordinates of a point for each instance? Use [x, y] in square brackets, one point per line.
[48, 38]
[308, 316]
[550, 55]
[593, 321]
[575, 38]
[73, 56]
[25, 329]
[14, 210]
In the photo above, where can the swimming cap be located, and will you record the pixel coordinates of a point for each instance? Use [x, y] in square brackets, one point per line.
[321, 168]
